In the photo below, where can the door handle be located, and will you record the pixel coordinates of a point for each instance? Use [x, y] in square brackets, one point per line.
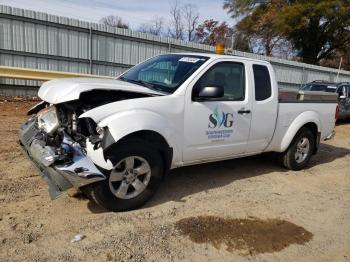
[243, 111]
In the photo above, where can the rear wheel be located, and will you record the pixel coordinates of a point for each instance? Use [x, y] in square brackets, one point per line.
[298, 154]
[136, 175]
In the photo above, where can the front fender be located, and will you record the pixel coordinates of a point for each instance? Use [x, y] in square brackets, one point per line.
[124, 123]
[297, 123]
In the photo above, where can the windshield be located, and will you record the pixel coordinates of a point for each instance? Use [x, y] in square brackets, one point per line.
[164, 73]
[319, 87]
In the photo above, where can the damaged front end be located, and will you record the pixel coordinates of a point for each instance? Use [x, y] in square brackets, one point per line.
[67, 148]
[61, 161]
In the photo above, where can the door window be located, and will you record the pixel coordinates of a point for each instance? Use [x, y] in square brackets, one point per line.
[262, 82]
[319, 88]
[228, 75]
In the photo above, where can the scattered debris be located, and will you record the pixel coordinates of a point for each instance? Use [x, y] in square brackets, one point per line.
[9, 98]
[29, 238]
[78, 238]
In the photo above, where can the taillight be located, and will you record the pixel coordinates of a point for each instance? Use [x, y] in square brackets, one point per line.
[337, 111]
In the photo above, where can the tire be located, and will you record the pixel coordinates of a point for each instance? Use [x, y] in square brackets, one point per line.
[111, 193]
[299, 152]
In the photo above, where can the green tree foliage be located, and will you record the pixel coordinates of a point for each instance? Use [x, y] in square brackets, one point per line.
[318, 29]
[241, 7]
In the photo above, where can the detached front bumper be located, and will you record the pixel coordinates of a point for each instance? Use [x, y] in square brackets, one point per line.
[78, 172]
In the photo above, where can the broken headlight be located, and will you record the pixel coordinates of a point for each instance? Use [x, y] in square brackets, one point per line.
[48, 120]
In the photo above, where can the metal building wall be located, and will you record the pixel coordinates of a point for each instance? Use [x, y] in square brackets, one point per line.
[38, 40]
[294, 74]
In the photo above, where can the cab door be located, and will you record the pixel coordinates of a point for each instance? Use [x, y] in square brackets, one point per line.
[217, 128]
[264, 106]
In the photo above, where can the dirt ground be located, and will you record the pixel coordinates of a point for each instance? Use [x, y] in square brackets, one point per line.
[239, 210]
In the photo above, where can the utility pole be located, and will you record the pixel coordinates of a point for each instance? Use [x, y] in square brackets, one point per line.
[341, 61]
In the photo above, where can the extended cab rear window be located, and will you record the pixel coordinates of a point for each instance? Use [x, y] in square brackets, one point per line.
[262, 82]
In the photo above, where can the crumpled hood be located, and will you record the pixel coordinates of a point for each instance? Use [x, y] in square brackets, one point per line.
[68, 89]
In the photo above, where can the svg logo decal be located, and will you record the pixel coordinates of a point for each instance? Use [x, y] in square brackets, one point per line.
[220, 119]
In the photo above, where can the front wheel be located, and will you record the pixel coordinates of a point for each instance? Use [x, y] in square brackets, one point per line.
[135, 177]
[298, 154]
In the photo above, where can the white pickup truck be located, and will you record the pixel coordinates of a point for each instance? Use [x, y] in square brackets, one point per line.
[116, 139]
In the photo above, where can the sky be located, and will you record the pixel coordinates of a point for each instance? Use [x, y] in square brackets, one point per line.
[134, 12]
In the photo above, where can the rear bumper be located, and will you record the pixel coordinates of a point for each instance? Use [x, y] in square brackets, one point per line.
[80, 171]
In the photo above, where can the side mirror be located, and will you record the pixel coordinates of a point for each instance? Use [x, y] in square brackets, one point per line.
[210, 92]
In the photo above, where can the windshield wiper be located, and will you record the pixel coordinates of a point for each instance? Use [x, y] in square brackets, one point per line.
[140, 82]
[143, 83]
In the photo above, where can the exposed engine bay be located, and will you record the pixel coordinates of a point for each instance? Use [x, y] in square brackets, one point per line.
[63, 119]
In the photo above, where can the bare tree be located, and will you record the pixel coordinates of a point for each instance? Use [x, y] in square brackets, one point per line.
[154, 27]
[177, 27]
[114, 21]
[191, 17]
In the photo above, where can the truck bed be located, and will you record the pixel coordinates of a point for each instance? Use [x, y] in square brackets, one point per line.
[295, 105]
[291, 95]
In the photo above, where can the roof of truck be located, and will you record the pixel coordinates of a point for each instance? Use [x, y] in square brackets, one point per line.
[211, 55]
